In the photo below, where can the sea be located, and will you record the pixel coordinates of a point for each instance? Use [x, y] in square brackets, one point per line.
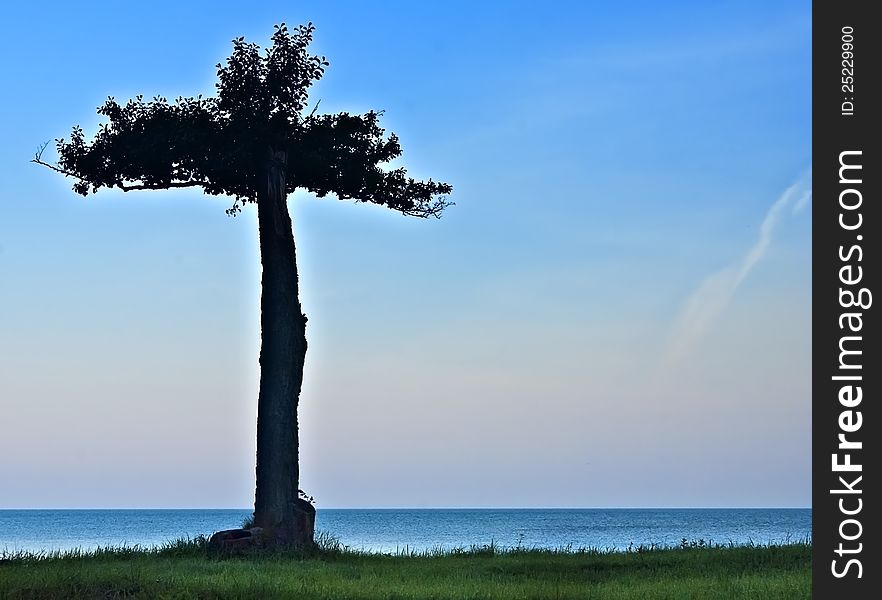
[417, 530]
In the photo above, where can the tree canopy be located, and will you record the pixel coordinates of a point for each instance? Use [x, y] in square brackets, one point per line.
[220, 143]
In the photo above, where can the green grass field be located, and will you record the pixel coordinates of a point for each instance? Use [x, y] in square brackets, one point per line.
[190, 570]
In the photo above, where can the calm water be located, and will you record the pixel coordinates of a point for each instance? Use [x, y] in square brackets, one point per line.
[388, 530]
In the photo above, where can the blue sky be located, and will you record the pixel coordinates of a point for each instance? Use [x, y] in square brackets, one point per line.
[615, 313]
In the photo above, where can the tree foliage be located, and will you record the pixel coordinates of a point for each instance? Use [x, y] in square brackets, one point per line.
[223, 143]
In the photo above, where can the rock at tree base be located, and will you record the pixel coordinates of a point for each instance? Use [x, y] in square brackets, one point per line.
[297, 532]
[236, 539]
[308, 523]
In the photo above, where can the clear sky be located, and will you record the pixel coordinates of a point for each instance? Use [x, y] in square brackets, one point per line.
[615, 313]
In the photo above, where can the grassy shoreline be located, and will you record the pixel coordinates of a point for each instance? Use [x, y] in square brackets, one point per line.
[189, 569]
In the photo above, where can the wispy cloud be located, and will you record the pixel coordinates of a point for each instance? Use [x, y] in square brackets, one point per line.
[714, 293]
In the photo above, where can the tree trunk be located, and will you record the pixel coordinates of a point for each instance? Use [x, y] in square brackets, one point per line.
[284, 517]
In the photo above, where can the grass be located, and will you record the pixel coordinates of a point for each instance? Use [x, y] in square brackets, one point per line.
[189, 569]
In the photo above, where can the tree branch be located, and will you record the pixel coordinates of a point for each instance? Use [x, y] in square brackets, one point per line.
[434, 210]
[162, 186]
[314, 108]
[126, 188]
[38, 159]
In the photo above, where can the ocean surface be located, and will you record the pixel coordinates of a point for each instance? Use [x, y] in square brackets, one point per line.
[392, 530]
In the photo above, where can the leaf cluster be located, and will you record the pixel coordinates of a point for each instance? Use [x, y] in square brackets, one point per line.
[225, 143]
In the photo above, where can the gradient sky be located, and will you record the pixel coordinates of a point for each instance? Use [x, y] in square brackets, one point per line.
[615, 313]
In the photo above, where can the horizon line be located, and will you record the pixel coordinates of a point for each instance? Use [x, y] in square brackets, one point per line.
[438, 508]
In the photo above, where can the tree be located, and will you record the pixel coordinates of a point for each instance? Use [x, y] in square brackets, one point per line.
[254, 142]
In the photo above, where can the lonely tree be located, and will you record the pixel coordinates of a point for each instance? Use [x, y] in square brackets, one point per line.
[255, 142]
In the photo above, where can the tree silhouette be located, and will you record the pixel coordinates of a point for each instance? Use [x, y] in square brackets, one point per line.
[254, 142]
